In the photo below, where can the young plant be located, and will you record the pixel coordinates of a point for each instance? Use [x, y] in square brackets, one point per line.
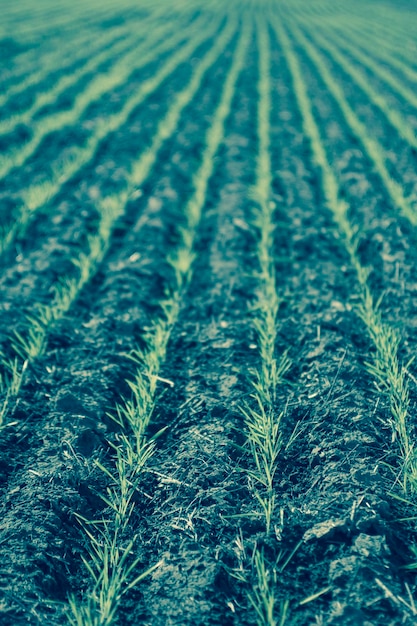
[263, 596]
[397, 121]
[111, 562]
[30, 345]
[386, 367]
[262, 422]
[261, 579]
[111, 565]
[36, 197]
[372, 147]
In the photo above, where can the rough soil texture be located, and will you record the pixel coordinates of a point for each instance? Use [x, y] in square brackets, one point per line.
[340, 543]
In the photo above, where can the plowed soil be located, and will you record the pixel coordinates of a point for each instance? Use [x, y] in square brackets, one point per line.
[340, 545]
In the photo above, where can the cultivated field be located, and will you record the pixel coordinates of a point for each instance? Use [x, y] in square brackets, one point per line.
[208, 248]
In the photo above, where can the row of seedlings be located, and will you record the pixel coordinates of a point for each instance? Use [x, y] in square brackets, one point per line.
[262, 418]
[386, 368]
[382, 68]
[13, 18]
[31, 345]
[98, 87]
[62, 55]
[215, 298]
[384, 365]
[374, 150]
[314, 10]
[382, 49]
[37, 196]
[396, 26]
[112, 44]
[62, 20]
[111, 565]
[197, 488]
[34, 66]
[395, 118]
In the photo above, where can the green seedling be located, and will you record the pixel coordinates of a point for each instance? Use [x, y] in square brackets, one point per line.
[262, 424]
[397, 121]
[110, 567]
[386, 368]
[111, 562]
[262, 580]
[62, 171]
[263, 596]
[372, 147]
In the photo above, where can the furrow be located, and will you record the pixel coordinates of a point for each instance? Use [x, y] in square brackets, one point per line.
[25, 26]
[208, 313]
[197, 489]
[112, 315]
[394, 117]
[396, 28]
[25, 71]
[109, 46]
[373, 148]
[108, 566]
[382, 67]
[386, 367]
[67, 21]
[118, 74]
[31, 344]
[342, 425]
[39, 195]
[360, 35]
[59, 58]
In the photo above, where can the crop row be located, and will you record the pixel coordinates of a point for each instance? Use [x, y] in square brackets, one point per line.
[118, 74]
[369, 46]
[32, 344]
[263, 417]
[386, 368]
[109, 566]
[389, 31]
[262, 414]
[54, 18]
[113, 567]
[383, 65]
[64, 45]
[36, 196]
[394, 117]
[375, 151]
[34, 65]
[390, 373]
[109, 44]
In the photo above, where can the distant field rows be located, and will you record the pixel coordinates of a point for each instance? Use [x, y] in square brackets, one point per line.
[207, 337]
